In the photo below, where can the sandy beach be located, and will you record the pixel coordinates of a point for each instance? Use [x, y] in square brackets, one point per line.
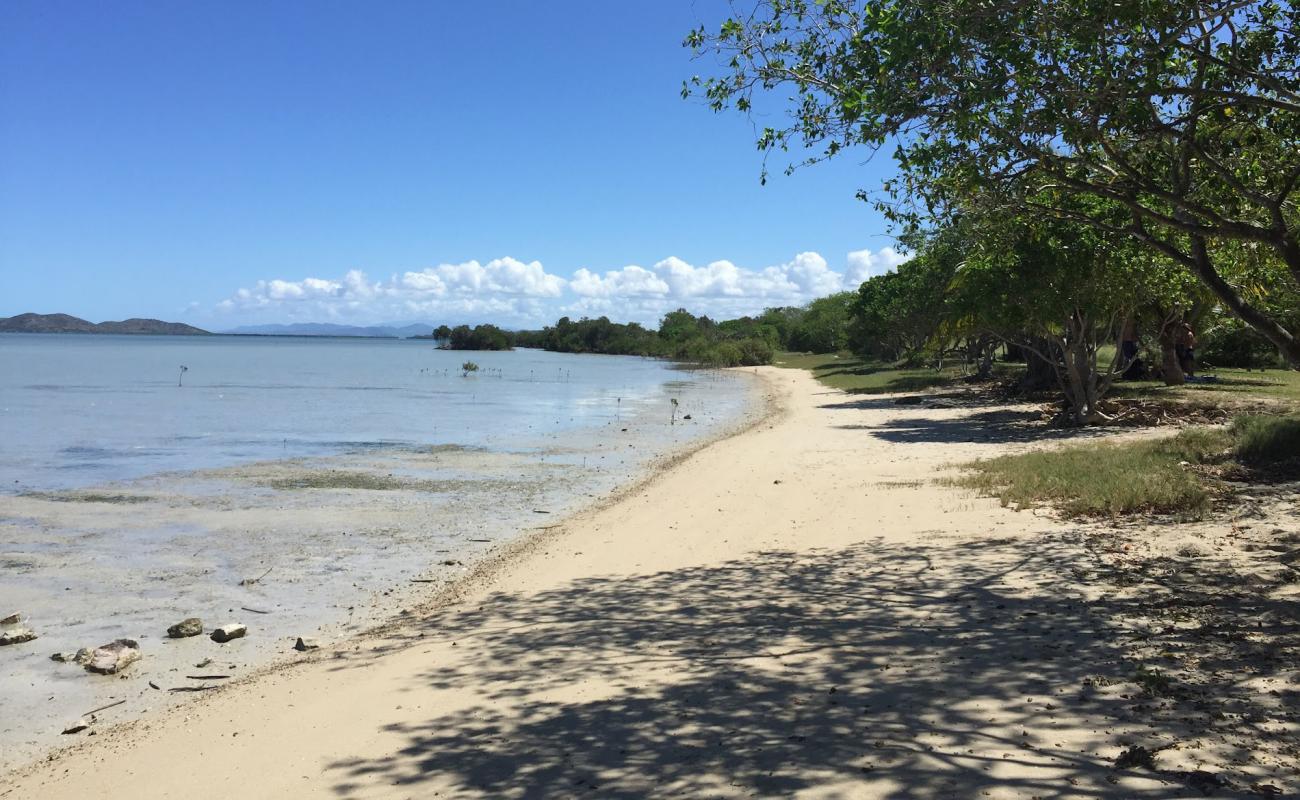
[797, 610]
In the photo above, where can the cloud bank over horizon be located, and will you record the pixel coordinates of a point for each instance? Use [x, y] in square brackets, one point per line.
[514, 293]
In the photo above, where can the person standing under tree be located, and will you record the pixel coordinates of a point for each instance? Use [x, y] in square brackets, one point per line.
[1185, 346]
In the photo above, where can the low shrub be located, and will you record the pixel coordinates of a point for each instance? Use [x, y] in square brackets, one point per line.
[1261, 440]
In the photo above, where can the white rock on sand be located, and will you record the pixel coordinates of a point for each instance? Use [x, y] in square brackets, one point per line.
[114, 657]
[16, 636]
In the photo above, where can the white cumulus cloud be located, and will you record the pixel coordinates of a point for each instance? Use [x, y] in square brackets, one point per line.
[864, 264]
[518, 293]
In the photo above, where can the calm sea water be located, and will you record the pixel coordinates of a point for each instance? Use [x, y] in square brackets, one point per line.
[80, 410]
[115, 521]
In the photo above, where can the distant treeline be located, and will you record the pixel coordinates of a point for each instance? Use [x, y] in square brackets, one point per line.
[480, 337]
[748, 341]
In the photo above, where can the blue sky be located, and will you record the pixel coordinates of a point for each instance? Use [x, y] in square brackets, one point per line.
[233, 163]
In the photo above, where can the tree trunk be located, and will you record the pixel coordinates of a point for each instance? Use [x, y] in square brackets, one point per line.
[1080, 383]
[1171, 371]
[987, 347]
[1040, 374]
[1287, 343]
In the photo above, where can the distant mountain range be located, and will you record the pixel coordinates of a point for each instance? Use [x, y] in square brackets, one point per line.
[64, 323]
[328, 329]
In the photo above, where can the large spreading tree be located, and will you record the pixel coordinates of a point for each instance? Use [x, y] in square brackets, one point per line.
[1185, 115]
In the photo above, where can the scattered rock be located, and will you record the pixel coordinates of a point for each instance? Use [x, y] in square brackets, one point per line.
[12, 619]
[1204, 782]
[229, 631]
[203, 663]
[688, 416]
[306, 643]
[114, 657]
[84, 656]
[940, 402]
[16, 636]
[185, 628]
[1191, 548]
[1136, 756]
[76, 727]
[67, 658]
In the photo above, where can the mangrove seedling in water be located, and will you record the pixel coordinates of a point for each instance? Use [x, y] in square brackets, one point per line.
[673, 419]
[180, 379]
[467, 368]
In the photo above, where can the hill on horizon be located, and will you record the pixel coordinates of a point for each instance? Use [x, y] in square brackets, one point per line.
[66, 323]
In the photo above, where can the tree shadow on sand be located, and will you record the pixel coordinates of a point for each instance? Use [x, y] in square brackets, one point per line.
[873, 670]
[988, 427]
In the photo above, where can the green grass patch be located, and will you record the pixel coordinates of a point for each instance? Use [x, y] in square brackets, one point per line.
[1145, 476]
[1231, 387]
[1264, 441]
[851, 374]
[1105, 478]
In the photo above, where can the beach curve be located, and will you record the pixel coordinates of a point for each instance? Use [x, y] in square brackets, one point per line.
[798, 610]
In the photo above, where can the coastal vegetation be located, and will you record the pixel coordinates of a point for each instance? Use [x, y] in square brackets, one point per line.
[681, 335]
[1179, 474]
[480, 337]
[1085, 225]
[1150, 183]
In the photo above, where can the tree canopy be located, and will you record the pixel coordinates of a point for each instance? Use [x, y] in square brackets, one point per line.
[1177, 119]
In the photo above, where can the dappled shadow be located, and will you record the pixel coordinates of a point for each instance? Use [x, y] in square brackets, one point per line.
[891, 670]
[967, 398]
[906, 379]
[904, 383]
[988, 427]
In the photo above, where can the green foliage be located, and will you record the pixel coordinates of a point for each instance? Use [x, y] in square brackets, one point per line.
[593, 336]
[1226, 341]
[1171, 123]
[1262, 440]
[897, 314]
[480, 337]
[823, 325]
[681, 335]
[467, 368]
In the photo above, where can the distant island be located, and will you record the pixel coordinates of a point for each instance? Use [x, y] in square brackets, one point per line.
[66, 323]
